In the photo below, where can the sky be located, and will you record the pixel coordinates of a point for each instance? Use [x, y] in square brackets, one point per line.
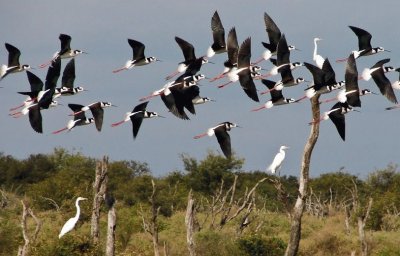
[102, 28]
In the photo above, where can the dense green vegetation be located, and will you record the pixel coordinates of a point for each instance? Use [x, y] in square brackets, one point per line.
[51, 183]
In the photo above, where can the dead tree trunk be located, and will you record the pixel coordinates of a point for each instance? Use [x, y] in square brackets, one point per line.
[361, 220]
[99, 190]
[26, 211]
[295, 230]
[111, 224]
[190, 221]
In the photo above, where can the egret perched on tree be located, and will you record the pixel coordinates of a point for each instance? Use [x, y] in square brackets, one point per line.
[278, 160]
[70, 224]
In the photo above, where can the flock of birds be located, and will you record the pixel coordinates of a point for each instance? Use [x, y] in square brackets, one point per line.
[183, 93]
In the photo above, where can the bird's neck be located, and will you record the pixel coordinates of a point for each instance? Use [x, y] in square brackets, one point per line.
[78, 210]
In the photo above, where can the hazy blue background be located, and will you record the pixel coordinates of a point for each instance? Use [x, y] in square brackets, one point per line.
[102, 28]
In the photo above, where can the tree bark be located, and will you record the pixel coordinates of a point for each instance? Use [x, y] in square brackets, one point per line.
[26, 211]
[99, 189]
[111, 225]
[295, 230]
[361, 220]
[189, 221]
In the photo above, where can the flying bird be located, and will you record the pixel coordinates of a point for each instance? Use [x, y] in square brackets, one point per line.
[364, 44]
[70, 224]
[138, 59]
[13, 65]
[276, 96]
[67, 81]
[65, 51]
[276, 164]
[97, 109]
[79, 119]
[274, 35]
[218, 31]
[136, 116]
[221, 132]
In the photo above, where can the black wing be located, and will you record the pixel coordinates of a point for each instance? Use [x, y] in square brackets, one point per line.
[68, 77]
[317, 73]
[247, 83]
[53, 73]
[351, 80]
[384, 85]
[244, 54]
[337, 117]
[282, 52]
[274, 34]
[77, 108]
[35, 118]
[137, 122]
[187, 49]
[98, 113]
[65, 43]
[137, 48]
[224, 140]
[329, 74]
[364, 38]
[34, 81]
[218, 32]
[13, 55]
[232, 47]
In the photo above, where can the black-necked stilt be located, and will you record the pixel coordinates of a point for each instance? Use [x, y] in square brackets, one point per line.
[324, 80]
[97, 109]
[351, 94]
[383, 83]
[65, 51]
[278, 160]
[221, 132]
[13, 62]
[79, 119]
[201, 100]
[138, 59]
[364, 44]
[274, 35]
[188, 54]
[36, 86]
[336, 115]
[232, 50]
[318, 59]
[276, 96]
[137, 115]
[218, 31]
[367, 72]
[67, 81]
[242, 72]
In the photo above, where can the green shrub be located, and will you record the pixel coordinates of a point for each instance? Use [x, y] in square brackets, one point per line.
[257, 246]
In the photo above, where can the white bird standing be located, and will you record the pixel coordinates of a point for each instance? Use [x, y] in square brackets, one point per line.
[70, 224]
[318, 59]
[278, 160]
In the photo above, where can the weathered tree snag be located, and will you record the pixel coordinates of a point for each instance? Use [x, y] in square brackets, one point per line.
[295, 230]
[361, 220]
[26, 211]
[190, 221]
[111, 225]
[99, 190]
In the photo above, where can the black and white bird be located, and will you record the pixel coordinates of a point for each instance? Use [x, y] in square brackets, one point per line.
[65, 51]
[243, 72]
[40, 99]
[138, 59]
[218, 32]
[13, 65]
[274, 35]
[336, 115]
[276, 164]
[67, 81]
[364, 44]
[385, 86]
[221, 132]
[189, 57]
[232, 50]
[396, 84]
[136, 116]
[276, 96]
[79, 119]
[97, 109]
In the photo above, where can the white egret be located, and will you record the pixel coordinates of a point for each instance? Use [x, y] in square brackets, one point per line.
[278, 160]
[70, 224]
